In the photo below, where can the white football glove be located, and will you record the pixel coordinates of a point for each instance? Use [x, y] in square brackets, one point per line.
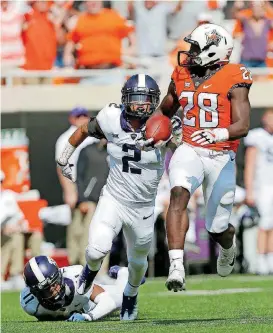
[177, 130]
[148, 144]
[209, 136]
[67, 171]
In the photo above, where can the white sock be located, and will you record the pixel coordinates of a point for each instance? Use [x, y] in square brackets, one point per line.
[176, 255]
[270, 261]
[262, 265]
[137, 269]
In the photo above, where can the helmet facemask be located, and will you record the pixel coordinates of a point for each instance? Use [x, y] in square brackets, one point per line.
[192, 55]
[140, 104]
[51, 291]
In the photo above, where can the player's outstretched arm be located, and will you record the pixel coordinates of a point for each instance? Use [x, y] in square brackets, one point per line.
[90, 128]
[170, 103]
[104, 305]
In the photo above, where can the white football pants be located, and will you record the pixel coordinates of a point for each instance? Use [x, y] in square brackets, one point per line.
[109, 218]
[192, 166]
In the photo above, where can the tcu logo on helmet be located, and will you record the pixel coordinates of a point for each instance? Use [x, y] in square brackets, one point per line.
[213, 37]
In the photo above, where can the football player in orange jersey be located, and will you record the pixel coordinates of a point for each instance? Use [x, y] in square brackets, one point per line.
[213, 95]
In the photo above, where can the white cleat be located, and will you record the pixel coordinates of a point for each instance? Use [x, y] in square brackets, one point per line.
[226, 260]
[176, 278]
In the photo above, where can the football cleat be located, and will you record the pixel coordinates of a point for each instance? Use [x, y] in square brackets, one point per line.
[113, 273]
[176, 278]
[226, 261]
[129, 310]
[85, 280]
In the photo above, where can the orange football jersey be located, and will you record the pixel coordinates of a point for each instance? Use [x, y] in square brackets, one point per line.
[207, 106]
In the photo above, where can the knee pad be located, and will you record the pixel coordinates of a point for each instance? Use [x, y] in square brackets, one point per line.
[93, 254]
[227, 198]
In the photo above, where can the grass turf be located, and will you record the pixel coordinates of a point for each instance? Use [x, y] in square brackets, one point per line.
[243, 304]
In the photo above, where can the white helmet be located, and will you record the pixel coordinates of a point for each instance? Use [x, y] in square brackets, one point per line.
[214, 45]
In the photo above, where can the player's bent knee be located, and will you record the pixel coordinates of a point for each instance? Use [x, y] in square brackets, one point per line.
[93, 253]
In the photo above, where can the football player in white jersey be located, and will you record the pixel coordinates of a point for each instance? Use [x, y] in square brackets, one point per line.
[128, 198]
[50, 292]
[259, 187]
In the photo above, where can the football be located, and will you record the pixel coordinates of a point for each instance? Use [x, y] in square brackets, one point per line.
[158, 127]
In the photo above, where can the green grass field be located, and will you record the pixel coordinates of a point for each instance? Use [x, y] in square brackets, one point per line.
[210, 304]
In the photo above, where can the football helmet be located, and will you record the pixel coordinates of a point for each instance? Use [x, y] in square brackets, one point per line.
[140, 96]
[210, 44]
[45, 280]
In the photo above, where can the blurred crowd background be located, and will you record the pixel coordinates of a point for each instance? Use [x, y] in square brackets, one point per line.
[45, 35]
[98, 44]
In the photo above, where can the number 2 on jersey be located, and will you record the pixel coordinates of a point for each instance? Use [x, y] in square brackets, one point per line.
[204, 110]
[126, 159]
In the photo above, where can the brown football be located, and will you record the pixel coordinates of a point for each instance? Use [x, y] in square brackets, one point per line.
[158, 127]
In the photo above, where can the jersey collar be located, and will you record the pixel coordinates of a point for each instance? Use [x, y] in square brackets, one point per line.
[125, 125]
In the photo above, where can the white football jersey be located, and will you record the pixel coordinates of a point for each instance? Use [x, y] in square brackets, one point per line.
[263, 141]
[134, 175]
[31, 305]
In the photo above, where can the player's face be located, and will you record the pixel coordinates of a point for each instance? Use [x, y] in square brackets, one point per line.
[140, 103]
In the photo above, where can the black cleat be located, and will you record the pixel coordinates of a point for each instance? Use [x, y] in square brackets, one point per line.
[129, 308]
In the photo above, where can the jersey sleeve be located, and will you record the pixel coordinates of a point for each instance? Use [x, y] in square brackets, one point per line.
[106, 117]
[29, 302]
[240, 76]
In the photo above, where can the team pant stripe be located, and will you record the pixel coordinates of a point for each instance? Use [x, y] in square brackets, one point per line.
[36, 270]
[141, 80]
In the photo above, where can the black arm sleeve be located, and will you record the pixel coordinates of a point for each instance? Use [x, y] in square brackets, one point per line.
[94, 129]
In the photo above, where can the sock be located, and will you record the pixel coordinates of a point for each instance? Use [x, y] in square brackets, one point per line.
[176, 254]
[137, 269]
[94, 266]
[270, 261]
[262, 265]
[130, 290]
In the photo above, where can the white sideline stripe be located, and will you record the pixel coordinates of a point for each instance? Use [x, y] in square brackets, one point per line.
[206, 278]
[209, 292]
[141, 81]
[36, 270]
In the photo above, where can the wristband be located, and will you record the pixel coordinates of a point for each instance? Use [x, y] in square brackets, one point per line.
[66, 154]
[221, 134]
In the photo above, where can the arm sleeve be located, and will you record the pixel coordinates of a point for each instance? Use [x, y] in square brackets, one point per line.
[104, 305]
[29, 302]
[93, 129]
